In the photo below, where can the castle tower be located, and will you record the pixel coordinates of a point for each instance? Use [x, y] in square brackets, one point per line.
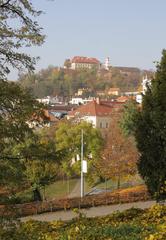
[107, 63]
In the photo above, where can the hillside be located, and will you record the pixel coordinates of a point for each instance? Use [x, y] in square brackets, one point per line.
[66, 82]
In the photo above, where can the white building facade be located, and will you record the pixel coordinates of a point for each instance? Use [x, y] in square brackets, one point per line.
[99, 115]
[84, 63]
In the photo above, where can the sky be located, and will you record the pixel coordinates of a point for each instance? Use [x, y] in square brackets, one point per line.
[130, 32]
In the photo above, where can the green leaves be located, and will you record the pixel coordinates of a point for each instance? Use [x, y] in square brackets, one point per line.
[17, 108]
[127, 122]
[68, 139]
[25, 32]
[132, 224]
[150, 133]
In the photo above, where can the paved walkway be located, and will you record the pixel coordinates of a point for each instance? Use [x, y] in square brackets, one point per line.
[91, 212]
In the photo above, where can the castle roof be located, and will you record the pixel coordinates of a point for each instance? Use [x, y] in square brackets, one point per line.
[78, 59]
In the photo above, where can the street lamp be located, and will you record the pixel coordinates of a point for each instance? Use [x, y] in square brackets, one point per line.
[83, 164]
[82, 156]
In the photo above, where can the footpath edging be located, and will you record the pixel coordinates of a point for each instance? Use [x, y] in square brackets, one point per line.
[88, 212]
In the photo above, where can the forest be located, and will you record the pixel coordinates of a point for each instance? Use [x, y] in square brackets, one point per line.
[55, 81]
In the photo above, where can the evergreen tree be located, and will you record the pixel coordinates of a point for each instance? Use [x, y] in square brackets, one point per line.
[150, 133]
[127, 124]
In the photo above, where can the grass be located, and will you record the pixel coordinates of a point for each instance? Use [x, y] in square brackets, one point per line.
[59, 188]
[112, 184]
[62, 188]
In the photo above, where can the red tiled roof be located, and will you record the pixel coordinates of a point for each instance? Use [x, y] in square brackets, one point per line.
[78, 59]
[124, 98]
[113, 104]
[92, 109]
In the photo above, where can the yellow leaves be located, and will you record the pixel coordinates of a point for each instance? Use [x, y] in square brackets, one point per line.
[151, 237]
[131, 224]
[56, 224]
[157, 236]
[77, 229]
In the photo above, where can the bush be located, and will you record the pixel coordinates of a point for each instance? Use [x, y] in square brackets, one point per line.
[133, 224]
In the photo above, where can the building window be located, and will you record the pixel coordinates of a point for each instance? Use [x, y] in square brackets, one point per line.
[106, 125]
[100, 124]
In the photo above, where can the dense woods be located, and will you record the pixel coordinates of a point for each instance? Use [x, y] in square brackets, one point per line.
[65, 82]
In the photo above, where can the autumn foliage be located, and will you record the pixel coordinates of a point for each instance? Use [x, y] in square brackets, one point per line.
[120, 154]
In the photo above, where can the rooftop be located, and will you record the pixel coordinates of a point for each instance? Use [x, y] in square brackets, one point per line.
[93, 108]
[79, 59]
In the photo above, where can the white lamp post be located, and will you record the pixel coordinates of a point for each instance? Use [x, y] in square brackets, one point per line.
[83, 164]
[82, 156]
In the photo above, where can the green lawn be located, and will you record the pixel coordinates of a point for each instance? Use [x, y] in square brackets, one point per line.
[59, 188]
[112, 185]
[62, 188]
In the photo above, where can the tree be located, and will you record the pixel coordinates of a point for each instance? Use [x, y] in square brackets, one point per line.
[18, 28]
[130, 112]
[25, 32]
[40, 161]
[16, 104]
[119, 156]
[150, 133]
[17, 108]
[67, 63]
[68, 140]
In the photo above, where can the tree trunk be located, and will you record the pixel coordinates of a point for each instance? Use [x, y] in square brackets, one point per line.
[68, 186]
[118, 183]
[37, 195]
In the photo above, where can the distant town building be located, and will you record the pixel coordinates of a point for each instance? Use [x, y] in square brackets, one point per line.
[80, 101]
[61, 110]
[81, 62]
[132, 93]
[45, 100]
[124, 99]
[82, 91]
[84, 63]
[96, 113]
[50, 100]
[76, 101]
[100, 93]
[113, 91]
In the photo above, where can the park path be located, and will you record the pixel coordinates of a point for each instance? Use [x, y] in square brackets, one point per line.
[90, 212]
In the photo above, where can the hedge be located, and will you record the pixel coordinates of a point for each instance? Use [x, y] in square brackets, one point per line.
[134, 194]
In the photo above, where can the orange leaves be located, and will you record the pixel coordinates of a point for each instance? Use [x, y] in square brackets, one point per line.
[120, 154]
